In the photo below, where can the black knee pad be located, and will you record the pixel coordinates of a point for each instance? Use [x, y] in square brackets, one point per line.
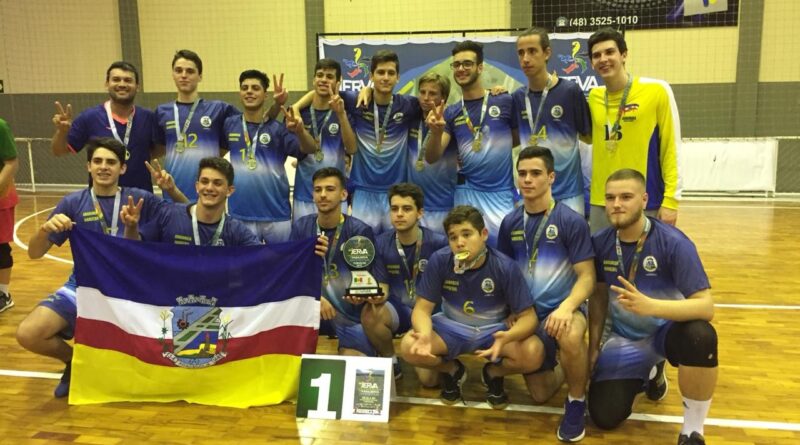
[692, 343]
[6, 260]
[611, 401]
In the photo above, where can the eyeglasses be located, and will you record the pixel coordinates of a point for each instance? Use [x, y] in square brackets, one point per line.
[466, 64]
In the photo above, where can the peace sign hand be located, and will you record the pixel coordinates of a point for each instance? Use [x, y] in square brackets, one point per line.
[294, 122]
[130, 213]
[279, 94]
[631, 299]
[62, 120]
[435, 120]
[336, 102]
[164, 180]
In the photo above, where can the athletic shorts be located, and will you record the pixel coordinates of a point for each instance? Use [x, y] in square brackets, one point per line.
[62, 302]
[550, 343]
[270, 232]
[462, 338]
[6, 225]
[373, 209]
[623, 358]
[493, 205]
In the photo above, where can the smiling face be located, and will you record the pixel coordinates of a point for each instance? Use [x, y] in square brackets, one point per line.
[324, 81]
[608, 61]
[212, 188]
[252, 94]
[466, 69]
[105, 168]
[122, 86]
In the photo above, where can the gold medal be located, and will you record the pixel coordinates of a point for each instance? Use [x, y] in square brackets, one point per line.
[180, 146]
[420, 165]
[319, 156]
[476, 144]
[611, 145]
[463, 255]
[252, 163]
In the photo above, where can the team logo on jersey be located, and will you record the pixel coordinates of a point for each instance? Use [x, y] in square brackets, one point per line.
[649, 263]
[264, 138]
[557, 111]
[333, 128]
[628, 114]
[205, 121]
[487, 285]
[194, 334]
[494, 111]
[551, 232]
[398, 117]
[422, 264]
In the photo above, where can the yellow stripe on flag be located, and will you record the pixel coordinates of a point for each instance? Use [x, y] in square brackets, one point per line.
[264, 380]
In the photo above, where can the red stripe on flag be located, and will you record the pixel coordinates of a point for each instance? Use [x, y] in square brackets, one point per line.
[293, 340]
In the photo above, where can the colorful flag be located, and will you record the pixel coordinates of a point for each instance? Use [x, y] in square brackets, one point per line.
[213, 325]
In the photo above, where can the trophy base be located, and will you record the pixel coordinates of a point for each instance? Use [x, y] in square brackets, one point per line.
[364, 292]
[363, 285]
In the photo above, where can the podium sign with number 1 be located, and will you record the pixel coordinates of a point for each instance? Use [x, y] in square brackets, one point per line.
[338, 387]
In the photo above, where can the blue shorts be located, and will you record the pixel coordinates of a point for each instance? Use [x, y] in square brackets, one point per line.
[403, 313]
[303, 208]
[493, 205]
[433, 220]
[62, 302]
[622, 358]
[373, 209]
[461, 338]
[270, 232]
[550, 343]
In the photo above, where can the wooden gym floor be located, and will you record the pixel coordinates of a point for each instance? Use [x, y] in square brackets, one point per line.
[751, 251]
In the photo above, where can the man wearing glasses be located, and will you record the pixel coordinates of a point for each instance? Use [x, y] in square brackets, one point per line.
[485, 131]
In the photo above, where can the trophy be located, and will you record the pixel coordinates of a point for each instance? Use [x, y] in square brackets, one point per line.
[359, 252]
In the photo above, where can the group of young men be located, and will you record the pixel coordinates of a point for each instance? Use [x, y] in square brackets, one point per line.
[462, 268]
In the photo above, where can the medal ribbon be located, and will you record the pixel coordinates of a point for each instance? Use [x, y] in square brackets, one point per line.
[533, 256]
[620, 110]
[114, 229]
[637, 252]
[196, 229]
[476, 131]
[181, 134]
[113, 126]
[535, 123]
[412, 282]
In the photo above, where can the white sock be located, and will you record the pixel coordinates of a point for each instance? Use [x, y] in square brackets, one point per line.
[572, 399]
[694, 415]
[4, 288]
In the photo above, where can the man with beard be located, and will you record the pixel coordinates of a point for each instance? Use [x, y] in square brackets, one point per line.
[118, 117]
[485, 130]
[652, 286]
[259, 147]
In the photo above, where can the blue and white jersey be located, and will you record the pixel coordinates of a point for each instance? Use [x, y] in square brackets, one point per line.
[478, 297]
[93, 122]
[333, 152]
[488, 169]
[565, 116]
[262, 187]
[389, 266]
[203, 138]
[669, 269]
[173, 224]
[79, 208]
[437, 180]
[339, 277]
[378, 169]
[565, 241]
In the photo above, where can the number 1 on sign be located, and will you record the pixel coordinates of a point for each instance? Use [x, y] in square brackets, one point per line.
[323, 383]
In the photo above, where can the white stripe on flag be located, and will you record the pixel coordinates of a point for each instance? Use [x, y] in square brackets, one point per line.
[145, 319]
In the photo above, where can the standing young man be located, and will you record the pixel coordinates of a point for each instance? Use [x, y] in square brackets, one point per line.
[652, 286]
[382, 130]
[478, 288]
[95, 208]
[8, 200]
[553, 250]
[328, 123]
[258, 148]
[401, 256]
[485, 130]
[635, 125]
[131, 125]
[335, 308]
[552, 113]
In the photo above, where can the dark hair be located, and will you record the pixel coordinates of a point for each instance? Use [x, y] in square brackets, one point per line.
[219, 164]
[544, 39]
[469, 45]
[109, 144]
[329, 172]
[535, 151]
[607, 33]
[188, 55]
[462, 214]
[407, 190]
[124, 66]
[329, 64]
[627, 173]
[383, 56]
[438, 79]
[254, 74]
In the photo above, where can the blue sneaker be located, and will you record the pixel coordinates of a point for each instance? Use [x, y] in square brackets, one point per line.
[573, 424]
[62, 390]
[451, 384]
